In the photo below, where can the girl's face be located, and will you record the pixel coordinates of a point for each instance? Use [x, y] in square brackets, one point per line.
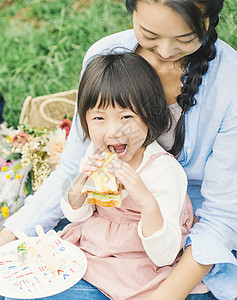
[117, 130]
[163, 32]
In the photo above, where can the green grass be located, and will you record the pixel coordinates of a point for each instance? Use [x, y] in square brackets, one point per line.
[227, 28]
[43, 43]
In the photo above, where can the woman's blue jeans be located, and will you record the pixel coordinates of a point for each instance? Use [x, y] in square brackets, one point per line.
[80, 291]
[85, 291]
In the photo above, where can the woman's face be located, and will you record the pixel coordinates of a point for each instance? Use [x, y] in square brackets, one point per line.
[163, 32]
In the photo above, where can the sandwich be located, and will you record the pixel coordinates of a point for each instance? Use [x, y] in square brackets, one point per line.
[102, 188]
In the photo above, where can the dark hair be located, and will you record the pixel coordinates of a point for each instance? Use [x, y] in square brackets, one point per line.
[129, 81]
[196, 65]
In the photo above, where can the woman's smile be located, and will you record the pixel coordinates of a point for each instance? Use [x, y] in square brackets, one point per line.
[163, 32]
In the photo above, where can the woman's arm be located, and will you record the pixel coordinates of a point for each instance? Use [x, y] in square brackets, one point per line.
[213, 237]
[179, 283]
[44, 206]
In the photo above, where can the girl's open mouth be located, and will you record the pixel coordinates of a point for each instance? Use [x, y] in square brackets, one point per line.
[120, 150]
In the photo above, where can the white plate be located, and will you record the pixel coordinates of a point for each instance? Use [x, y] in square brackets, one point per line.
[34, 280]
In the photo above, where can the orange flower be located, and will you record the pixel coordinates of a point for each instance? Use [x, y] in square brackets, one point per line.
[65, 124]
[56, 144]
[20, 139]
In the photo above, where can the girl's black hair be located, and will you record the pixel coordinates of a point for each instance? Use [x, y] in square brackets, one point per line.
[196, 65]
[129, 81]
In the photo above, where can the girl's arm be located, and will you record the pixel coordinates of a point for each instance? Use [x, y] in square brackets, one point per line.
[151, 217]
[179, 283]
[75, 196]
[160, 193]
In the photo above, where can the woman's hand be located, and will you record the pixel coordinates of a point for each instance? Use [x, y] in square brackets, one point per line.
[75, 197]
[151, 217]
[6, 236]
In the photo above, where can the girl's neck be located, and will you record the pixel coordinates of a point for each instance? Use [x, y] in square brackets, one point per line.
[137, 159]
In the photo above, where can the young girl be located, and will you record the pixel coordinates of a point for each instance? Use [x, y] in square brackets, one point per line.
[130, 250]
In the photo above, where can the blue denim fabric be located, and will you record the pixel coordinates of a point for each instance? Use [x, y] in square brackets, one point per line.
[206, 296]
[85, 291]
[82, 290]
[61, 224]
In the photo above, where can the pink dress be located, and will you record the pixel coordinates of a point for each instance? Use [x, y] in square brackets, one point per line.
[117, 262]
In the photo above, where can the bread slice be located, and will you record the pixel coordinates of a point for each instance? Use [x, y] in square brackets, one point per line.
[102, 187]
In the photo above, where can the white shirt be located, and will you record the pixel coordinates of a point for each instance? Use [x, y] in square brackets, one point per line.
[167, 182]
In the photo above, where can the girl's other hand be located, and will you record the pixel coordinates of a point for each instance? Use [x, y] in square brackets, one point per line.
[75, 197]
[92, 164]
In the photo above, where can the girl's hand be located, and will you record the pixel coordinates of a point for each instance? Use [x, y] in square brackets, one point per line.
[132, 183]
[151, 217]
[75, 197]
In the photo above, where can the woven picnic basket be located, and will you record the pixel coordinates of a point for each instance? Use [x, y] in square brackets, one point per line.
[46, 111]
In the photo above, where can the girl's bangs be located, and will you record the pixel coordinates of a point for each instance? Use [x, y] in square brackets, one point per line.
[109, 93]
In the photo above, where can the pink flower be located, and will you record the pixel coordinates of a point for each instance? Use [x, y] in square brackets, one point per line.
[3, 163]
[65, 124]
[20, 139]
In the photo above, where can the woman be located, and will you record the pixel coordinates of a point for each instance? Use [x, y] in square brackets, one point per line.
[199, 75]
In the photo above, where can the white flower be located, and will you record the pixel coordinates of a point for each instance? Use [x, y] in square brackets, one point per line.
[13, 186]
[8, 131]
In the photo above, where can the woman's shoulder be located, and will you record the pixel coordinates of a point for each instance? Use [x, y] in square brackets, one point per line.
[220, 80]
[225, 52]
[123, 41]
[225, 63]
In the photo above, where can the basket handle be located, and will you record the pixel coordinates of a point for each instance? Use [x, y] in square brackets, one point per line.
[46, 102]
[24, 108]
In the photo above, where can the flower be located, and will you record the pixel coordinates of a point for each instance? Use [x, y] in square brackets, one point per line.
[4, 168]
[8, 132]
[5, 211]
[27, 161]
[4, 164]
[55, 145]
[9, 138]
[20, 139]
[65, 124]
